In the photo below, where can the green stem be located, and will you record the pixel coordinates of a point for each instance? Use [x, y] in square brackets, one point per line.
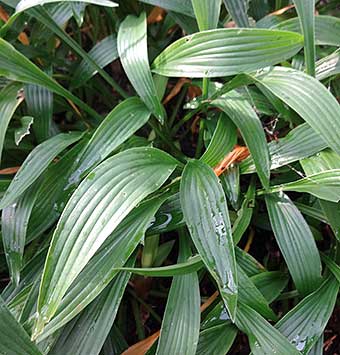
[138, 320]
[200, 139]
[177, 106]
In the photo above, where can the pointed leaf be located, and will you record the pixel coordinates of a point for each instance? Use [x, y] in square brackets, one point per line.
[133, 52]
[226, 52]
[205, 211]
[36, 163]
[96, 208]
[238, 11]
[207, 13]
[244, 117]
[296, 242]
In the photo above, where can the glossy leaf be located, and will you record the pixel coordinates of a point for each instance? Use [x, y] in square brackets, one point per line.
[104, 265]
[96, 208]
[244, 117]
[205, 211]
[207, 13]
[120, 124]
[305, 10]
[222, 141]
[238, 11]
[308, 98]
[181, 320]
[226, 52]
[36, 163]
[15, 66]
[132, 49]
[10, 99]
[265, 339]
[13, 338]
[103, 53]
[296, 242]
[305, 323]
[26, 4]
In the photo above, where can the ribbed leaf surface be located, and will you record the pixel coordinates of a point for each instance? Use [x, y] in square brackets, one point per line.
[238, 11]
[206, 215]
[296, 242]
[207, 13]
[226, 52]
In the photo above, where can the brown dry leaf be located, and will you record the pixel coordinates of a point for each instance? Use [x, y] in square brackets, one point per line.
[156, 15]
[176, 89]
[282, 11]
[9, 171]
[194, 91]
[238, 154]
[230, 24]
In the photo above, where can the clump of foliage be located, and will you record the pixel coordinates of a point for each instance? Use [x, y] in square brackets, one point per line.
[170, 177]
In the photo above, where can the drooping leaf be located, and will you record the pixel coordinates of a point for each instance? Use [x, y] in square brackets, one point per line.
[13, 338]
[265, 339]
[205, 211]
[10, 99]
[244, 117]
[132, 49]
[238, 11]
[207, 13]
[26, 4]
[305, 10]
[104, 266]
[305, 323]
[16, 66]
[103, 53]
[181, 321]
[36, 163]
[226, 52]
[296, 242]
[96, 208]
[309, 98]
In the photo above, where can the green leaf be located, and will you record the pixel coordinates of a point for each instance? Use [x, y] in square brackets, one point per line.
[222, 141]
[264, 338]
[299, 143]
[296, 242]
[226, 52]
[206, 214]
[180, 6]
[39, 102]
[36, 163]
[15, 66]
[10, 99]
[305, 10]
[103, 53]
[133, 52]
[216, 340]
[104, 265]
[324, 185]
[87, 333]
[305, 323]
[231, 185]
[207, 13]
[13, 338]
[181, 321]
[26, 4]
[328, 66]
[238, 11]
[188, 266]
[14, 221]
[327, 29]
[120, 124]
[24, 130]
[309, 98]
[244, 117]
[95, 209]
[332, 266]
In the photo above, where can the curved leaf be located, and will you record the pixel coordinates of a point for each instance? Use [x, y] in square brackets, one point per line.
[309, 98]
[132, 49]
[226, 52]
[95, 209]
[36, 163]
[206, 214]
[328, 66]
[296, 242]
[244, 117]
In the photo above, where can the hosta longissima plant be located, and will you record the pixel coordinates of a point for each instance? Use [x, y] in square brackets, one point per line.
[170, 177]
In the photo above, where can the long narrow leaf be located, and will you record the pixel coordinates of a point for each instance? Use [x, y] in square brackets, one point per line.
[207, 13]
[238, 11]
